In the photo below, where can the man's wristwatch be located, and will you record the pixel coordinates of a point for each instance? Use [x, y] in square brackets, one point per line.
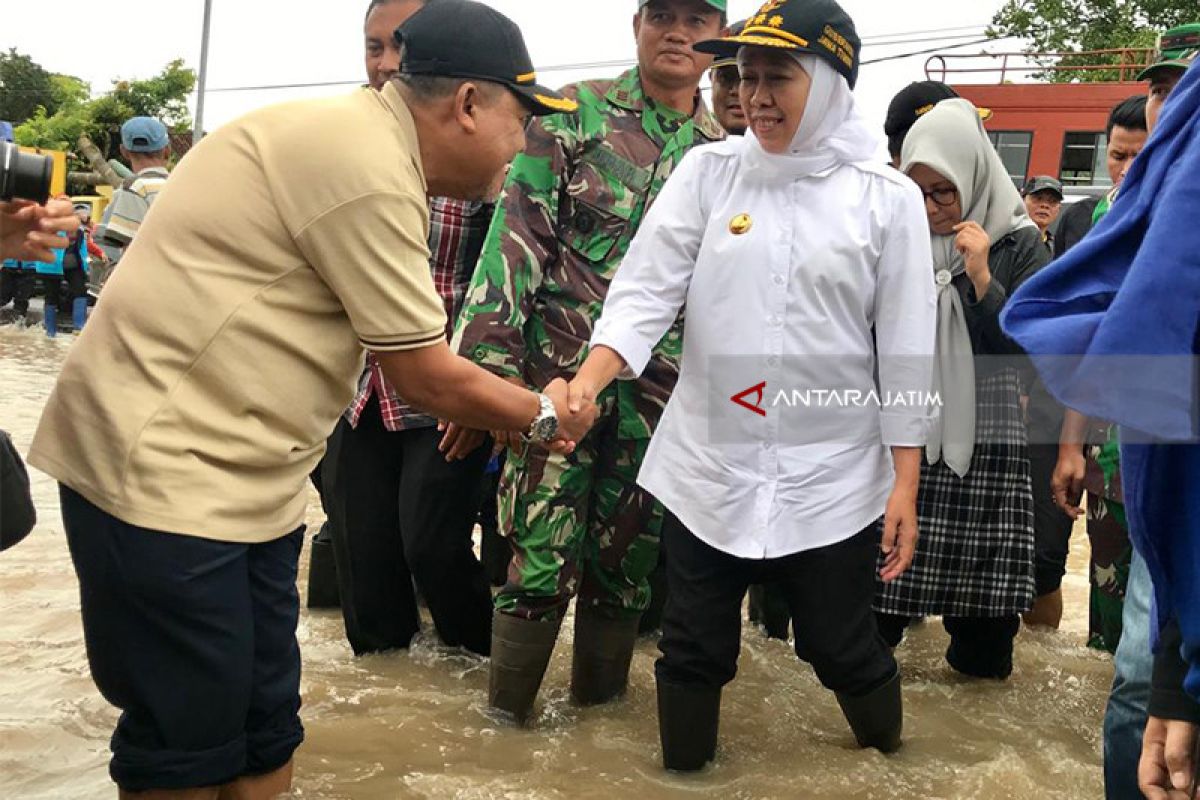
[545, 425]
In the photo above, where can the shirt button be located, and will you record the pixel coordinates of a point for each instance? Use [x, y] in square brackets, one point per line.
[775, 321]
[772, 361]
[778, 280]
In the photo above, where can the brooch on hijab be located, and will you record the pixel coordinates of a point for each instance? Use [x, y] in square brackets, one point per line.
[943, 277]
[740, 224]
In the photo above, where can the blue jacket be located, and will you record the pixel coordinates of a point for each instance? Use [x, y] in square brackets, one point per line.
[1114, 327]
[56, 267]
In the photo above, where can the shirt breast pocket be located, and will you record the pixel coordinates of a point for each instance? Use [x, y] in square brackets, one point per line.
[597, 212]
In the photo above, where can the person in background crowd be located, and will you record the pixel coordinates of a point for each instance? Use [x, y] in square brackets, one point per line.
[403, 493]
[1126, 134]
[909, 105]
[798, 499]
[16, 287]
[1043, 201]
[1044, 417]
[1124, 302]
[70, 265]
[1076, 463]
[974, 562]
[726, 100]
[573, 200]
[494, 552]
[146, 145]
[223, 352]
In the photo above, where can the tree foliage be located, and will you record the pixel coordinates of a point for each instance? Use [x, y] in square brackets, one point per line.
[66, 109]
[1075, 26]
[24, 87]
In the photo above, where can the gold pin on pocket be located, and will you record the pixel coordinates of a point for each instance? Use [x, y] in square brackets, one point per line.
[740, 224]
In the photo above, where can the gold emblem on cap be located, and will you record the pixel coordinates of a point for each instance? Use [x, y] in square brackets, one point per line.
[740, 224]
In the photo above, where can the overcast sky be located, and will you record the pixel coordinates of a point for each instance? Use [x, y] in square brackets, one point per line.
[270, 42]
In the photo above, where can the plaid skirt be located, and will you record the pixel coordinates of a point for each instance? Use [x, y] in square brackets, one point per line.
[974, 557]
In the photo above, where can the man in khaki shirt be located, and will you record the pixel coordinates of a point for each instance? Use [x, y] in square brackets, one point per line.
[197, 401]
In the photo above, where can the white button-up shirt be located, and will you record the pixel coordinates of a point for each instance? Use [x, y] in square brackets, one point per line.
[821, 290]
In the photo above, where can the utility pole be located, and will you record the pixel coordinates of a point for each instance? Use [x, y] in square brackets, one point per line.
[198, 125]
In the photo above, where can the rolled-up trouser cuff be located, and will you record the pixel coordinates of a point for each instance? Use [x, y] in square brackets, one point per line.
[267, 751]
[136, 769]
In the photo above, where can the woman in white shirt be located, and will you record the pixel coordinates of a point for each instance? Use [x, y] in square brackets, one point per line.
[804, 265]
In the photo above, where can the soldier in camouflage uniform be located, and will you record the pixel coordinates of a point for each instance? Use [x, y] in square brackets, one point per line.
[573, 200]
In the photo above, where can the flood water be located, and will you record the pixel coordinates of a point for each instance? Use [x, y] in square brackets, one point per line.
[413, 724]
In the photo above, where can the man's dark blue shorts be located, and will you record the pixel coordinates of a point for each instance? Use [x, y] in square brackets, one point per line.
[195, 641]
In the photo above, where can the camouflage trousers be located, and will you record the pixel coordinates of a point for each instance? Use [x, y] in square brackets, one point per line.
[1108, 571]
[579, 525]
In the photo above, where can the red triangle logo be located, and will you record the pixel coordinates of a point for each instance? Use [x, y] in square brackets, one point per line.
[756, 390]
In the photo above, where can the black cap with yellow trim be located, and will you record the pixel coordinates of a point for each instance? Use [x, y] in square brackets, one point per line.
[466, 39]
[730, 60]
[819, 27]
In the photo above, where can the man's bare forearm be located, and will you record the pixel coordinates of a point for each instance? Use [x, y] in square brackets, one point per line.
[451, 388]
[1074, 429]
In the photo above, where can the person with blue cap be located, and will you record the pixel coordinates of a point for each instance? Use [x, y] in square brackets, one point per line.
[146, 145]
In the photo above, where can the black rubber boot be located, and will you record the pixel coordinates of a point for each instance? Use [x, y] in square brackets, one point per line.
[877, 718]
[521, 650]
[322, 572]
[688, 717]
[603, 651]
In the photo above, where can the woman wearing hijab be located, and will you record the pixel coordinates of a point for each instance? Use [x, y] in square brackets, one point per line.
[974, 564]
[791, 246]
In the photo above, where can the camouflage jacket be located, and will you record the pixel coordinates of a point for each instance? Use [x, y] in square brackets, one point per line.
[571, 205]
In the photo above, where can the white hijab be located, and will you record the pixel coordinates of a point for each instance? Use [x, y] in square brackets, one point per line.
[833, 130]
[950, 140]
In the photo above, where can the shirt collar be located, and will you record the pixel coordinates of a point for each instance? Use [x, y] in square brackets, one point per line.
[391, 99]
[627, 93]
[153, 172]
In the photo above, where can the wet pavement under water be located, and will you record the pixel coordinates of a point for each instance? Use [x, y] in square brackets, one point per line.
[413, 724]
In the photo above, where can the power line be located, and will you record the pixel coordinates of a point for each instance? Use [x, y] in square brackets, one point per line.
[874, 37]
[621, 63]
[933, 50]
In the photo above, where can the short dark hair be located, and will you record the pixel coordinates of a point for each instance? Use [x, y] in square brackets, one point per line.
[1129, 113]
[376, 3]
[436, 87]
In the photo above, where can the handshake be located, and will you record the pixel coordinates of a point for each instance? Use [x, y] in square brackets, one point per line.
[574, 405]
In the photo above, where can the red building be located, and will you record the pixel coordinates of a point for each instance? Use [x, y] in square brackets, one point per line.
[1042, 128]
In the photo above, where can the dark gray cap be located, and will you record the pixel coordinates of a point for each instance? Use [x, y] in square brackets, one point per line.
[1039, 183]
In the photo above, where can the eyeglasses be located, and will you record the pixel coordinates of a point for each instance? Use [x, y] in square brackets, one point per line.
[942, 197]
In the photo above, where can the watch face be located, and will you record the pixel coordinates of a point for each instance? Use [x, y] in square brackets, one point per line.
[545, 429]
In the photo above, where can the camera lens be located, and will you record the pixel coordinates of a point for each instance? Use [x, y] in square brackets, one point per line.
[24, 175]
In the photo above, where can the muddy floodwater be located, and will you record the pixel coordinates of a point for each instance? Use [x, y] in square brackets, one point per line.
[413, 724]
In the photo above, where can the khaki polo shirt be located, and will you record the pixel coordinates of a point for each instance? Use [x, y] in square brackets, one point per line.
[200, 395]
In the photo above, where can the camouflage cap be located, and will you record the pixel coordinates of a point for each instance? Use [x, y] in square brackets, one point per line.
[719, 5]
[1177, 48]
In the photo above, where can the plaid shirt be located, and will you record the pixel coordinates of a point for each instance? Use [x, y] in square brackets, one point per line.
[456, 233]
